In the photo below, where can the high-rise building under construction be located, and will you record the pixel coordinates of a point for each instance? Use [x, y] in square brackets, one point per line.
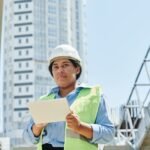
[32, 28]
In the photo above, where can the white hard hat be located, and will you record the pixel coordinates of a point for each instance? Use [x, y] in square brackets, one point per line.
[66, 51]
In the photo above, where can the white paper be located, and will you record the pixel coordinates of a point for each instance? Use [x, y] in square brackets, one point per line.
[46, 111]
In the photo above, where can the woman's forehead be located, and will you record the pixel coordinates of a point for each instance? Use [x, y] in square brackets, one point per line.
[61, 60]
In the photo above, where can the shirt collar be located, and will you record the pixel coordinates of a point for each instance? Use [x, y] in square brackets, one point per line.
[78, 86]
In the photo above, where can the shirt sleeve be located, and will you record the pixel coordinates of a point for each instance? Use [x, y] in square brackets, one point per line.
[103, 129]
[28, 134]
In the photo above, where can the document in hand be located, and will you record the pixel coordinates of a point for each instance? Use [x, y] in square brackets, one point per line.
[46, 111]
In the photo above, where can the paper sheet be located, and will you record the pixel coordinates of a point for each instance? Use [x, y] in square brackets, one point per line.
[46, 111]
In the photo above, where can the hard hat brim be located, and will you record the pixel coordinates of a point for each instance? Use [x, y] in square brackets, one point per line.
[62, 57]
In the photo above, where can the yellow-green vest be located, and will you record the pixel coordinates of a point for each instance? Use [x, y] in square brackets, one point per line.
[86, 107]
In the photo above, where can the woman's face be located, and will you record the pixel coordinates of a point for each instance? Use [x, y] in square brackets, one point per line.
[64, 72]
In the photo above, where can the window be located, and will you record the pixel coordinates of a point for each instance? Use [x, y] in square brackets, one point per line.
[27, 89]
[27, 64]
[5, 85]
[19, 77]
[27, 28]
[19, 17]
[26, 5]
[4, 95]
[19, 41]
[27, 17]
[19, 53]
[27, 52]
[19, 115]
[4, 107]
[19, 65]
[27, 40]
[19, 89]
[27, 76]
[19, 102]
[19, 6]
[19, 29]
[5, 119]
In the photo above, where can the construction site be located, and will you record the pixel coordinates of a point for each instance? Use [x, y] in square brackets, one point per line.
[133, 130]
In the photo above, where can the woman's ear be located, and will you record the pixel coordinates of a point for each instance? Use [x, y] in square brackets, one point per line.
[78, 70]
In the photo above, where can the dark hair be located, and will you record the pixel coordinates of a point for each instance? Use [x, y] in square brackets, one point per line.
[75, 64]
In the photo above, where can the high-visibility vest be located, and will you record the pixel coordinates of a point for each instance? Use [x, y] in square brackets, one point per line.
[86, 107]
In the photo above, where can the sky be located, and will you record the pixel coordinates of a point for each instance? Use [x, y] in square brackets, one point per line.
[118, 38]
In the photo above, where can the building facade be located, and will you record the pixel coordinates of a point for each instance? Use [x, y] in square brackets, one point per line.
[1, 10]
[32, 28]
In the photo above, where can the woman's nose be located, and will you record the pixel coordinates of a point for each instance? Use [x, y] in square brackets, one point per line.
[61, 68]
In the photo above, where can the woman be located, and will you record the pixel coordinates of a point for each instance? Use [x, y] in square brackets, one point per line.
[88, 124]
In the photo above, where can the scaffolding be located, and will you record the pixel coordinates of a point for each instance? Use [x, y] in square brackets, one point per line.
[135, 111]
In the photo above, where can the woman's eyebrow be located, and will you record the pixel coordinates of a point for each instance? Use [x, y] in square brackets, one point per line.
[55, 63]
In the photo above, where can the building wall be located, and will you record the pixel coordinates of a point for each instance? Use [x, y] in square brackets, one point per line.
[1, 10]
[7, 65]
[23, 58]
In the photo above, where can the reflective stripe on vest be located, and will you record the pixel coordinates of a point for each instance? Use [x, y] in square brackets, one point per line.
[86, 107]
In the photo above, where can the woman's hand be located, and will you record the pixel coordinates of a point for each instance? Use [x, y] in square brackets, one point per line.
[82, 128]
[73, 121]
[37, 128]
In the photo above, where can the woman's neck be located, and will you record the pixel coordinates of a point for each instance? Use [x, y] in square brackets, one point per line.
[64, 91]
